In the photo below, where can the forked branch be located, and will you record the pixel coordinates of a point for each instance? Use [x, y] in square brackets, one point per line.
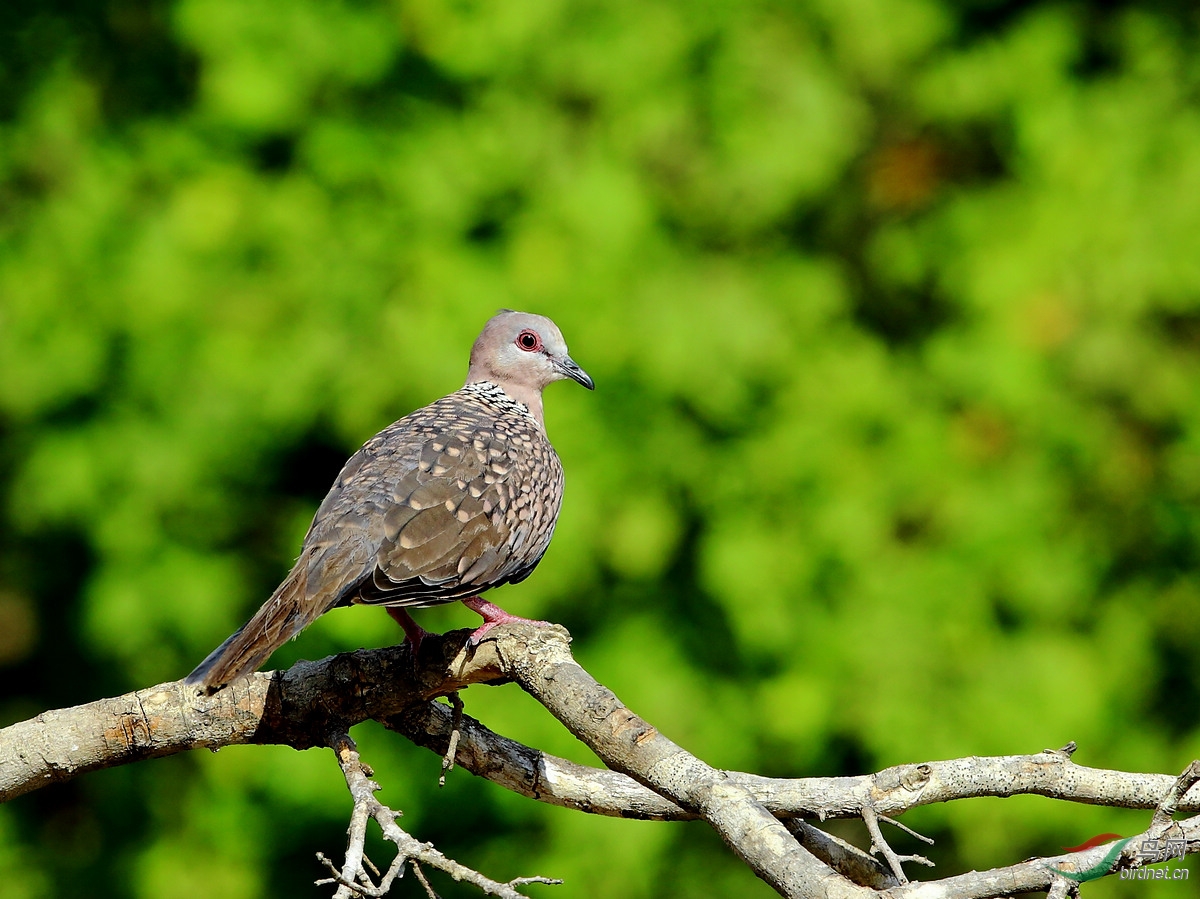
[650, 776]
[353, 879]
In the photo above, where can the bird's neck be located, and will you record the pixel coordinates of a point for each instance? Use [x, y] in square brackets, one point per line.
[529, 398]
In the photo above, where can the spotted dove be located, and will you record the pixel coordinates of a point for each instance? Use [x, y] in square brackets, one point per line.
[446, 503]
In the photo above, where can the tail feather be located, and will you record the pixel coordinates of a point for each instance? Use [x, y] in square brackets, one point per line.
[289, 610]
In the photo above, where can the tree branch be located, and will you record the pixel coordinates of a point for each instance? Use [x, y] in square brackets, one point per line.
[626, 743]
[354, 880]
[548, 778]
[293, 707]
[652, 777]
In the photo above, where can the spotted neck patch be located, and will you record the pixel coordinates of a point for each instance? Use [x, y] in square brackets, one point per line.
[494, 395]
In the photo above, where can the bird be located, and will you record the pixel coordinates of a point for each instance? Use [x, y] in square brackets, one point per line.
[452, 500]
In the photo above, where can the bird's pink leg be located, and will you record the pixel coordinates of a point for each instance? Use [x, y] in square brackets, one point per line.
[492, 616]
[413, 632]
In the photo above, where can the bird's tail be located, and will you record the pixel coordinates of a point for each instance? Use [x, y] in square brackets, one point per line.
[289, 610]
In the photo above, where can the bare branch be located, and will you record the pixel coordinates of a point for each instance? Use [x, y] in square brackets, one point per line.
[298, 707]
[880, 844]
[295, 707]
[1047, 873]
[848, 860]
[354, 880]
[1165, 813]
[456, 703]
[554, 780]
[292, 707]
[420, 875]
[626, 743]
[908, 830]
[531, 772]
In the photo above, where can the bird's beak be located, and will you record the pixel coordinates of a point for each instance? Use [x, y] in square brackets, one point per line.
[567, 367]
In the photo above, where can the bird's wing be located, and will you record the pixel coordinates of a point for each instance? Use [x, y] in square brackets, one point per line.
[446, 532]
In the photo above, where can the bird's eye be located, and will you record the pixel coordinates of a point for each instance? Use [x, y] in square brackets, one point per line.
[529, 341]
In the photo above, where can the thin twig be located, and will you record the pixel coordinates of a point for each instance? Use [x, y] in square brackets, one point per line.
[1165, 813]
[455, 734]
[908, 830]
[353, 879]
[420, 875]
[879, 844]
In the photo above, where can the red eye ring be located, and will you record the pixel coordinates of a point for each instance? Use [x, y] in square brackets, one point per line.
[529, 341]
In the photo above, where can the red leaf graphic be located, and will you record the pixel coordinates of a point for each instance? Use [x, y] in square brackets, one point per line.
[1094, 841]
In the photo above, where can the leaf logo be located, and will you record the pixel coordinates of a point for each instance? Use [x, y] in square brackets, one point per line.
[1094, 841]
[1099, 869]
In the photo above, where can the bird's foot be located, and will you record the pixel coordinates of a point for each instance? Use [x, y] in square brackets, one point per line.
[413, 632]
[492, 616]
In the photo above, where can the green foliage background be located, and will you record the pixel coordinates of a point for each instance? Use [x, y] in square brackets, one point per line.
[894, 311]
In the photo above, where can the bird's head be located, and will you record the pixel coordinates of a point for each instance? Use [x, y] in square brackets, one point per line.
[522, 353]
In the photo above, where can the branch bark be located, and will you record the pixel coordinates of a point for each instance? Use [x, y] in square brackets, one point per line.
[651, 777]
[626, 743]
[295, 707]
